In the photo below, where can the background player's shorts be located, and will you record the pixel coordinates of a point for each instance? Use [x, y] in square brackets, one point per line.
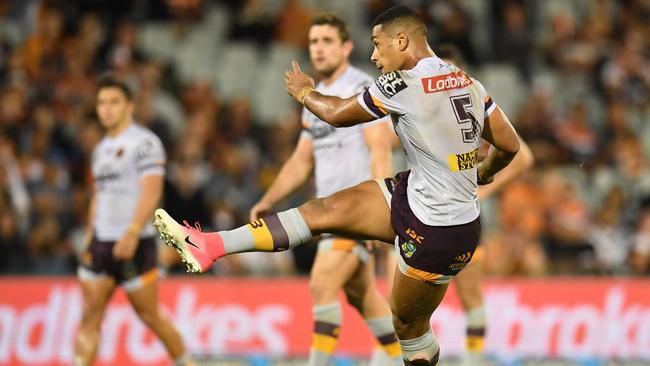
[428, 253]
[337, 243]
[98, 262]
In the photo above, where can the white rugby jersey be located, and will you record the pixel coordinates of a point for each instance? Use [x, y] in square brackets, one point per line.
[118, 163]
[438, 113]
[341, 156]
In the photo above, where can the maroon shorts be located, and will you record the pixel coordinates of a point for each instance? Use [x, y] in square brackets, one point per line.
[428, 253]
[98, 261]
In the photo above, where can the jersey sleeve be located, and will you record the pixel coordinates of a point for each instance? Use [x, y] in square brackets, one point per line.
[381, 98]
[150, 156]
[490, 105]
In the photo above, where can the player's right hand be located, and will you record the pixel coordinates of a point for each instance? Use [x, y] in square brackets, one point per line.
[260, 209]
[295, 81]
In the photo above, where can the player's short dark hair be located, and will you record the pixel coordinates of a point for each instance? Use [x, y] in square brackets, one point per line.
[334, 20]
[112, 81]
[398, 14]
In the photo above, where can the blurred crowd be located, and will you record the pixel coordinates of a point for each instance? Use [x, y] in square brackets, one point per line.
[573, 75]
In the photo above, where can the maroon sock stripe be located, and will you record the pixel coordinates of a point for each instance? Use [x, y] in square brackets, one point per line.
[329, 329]
[433, 362]
[389, 338]
[478, 332]
[416, 363]
[278, 233]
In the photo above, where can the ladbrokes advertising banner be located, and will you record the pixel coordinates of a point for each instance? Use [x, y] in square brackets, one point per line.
[573, 318]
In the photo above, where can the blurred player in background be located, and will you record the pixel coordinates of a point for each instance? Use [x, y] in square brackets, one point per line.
[431, 212]
[128, 167]
[340, 158]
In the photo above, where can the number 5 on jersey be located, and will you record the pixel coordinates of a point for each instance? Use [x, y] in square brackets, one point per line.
[462, 105]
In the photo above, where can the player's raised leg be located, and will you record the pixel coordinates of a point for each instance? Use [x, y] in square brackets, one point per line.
[96, 294]
[356, 212]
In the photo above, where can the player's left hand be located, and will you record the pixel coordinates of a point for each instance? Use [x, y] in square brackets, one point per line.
[296, 80]
[481, 179]
[125, 248]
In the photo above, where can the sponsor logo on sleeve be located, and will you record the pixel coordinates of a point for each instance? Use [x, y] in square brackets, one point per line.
[454, 80]
[144, 150]
[390, 84]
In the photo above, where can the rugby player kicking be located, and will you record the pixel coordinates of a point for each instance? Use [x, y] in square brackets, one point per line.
[431, 212]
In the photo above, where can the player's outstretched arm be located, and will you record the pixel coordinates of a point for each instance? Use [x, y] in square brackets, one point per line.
[333, 110]
[499, 132]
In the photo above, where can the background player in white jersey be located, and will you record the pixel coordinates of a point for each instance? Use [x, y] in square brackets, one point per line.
[440, 114]
[340, 158]
[128, 166]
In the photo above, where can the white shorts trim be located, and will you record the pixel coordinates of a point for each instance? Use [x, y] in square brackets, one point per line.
[326, 245]
[382, 185]
[129, 285]
[86, 274]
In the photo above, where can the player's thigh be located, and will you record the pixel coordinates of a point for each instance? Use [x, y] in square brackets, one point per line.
[96, 294]
[412, 303]
[358, 212]
[144, 299]
[468, 284]
[332, 269]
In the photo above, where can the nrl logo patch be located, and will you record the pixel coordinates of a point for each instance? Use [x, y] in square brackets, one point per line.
[408, 248]
[390, 84]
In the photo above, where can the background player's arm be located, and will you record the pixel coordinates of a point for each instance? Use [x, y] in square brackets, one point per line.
[522, 161]
[333, 110]
[294, 174]
[91, 217]
[379, 143]
[499, 132]
[151, 187]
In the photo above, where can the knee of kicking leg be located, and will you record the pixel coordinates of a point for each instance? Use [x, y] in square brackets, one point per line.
[324, 213]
